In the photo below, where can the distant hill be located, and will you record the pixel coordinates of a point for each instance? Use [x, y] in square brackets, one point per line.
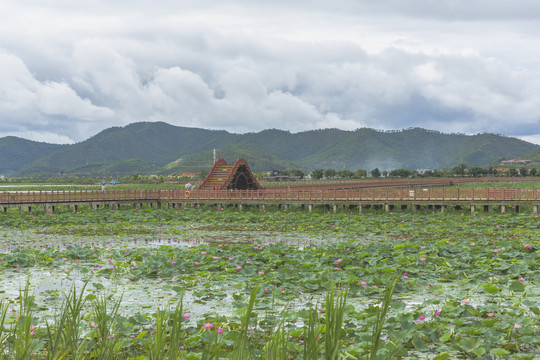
[535, 156]
[257, 159]
[160, 148]
[16, 153]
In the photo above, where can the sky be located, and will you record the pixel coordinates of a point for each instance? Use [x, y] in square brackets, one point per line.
[70, 69]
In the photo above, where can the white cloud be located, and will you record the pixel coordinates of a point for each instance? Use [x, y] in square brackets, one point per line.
[73, 69]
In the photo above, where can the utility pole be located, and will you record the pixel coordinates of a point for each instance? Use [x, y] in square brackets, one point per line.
[214, 155]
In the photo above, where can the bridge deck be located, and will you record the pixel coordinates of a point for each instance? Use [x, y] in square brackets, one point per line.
[297, 195]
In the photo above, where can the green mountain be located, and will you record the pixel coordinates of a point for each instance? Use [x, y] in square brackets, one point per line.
[160, 148]
[16, 153]
[535, 156]
[258, 159]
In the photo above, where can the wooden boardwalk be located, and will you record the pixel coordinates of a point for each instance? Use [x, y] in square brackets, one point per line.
[307, 197]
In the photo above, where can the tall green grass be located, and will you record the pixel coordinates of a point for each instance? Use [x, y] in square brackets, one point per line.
[63, 337]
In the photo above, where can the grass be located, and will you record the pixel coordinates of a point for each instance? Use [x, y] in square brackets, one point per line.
[63, 338]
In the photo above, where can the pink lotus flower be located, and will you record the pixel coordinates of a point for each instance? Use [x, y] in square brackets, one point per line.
[339, 261]
[527, 246]
[421, 318]
[173, 262]
[490, 314]
[196, 263]
[208, 326]
[422, 259]
[239, 267]
[220, 331]
[186, 315]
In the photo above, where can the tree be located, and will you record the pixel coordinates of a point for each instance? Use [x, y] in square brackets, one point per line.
[376, 173]
[317, 174]
[512, 172]
[523, 171]
[459, 170]
[533, 172]
[401, 173]
[329, 173]
[345, 174]
[477, 171]
[296, 172]
[360, 173]
[385, 173]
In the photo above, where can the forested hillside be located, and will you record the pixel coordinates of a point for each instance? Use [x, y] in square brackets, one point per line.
[160, 148]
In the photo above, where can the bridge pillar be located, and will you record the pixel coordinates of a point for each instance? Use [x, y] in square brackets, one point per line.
[503, 209]
[310, 207]
[359, 208]
[442, 208]
[116, 206]
[416, 207]
[23, 209]
[94, 206]
[263, 207]
[535, 209]
[240, 206]
[334, 208]
[472, 209]
[4, 208]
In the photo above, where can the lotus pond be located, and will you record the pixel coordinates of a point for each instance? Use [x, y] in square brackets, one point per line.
[219, 283]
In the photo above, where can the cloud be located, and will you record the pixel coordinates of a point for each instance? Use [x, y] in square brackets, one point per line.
[27, 104]
[245, 66]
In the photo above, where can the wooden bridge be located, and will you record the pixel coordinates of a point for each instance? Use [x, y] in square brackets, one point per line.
[436, 198]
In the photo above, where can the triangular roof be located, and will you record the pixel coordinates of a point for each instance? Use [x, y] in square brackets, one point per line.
[237, 176]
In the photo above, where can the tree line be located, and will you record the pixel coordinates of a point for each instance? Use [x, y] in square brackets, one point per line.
[460, 170]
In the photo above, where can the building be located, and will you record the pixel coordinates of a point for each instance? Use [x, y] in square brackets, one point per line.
[237, 176]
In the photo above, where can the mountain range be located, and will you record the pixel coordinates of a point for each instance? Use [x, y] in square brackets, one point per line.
[161, 148]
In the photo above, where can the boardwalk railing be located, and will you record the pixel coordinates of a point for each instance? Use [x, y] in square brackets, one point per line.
[307, 195]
